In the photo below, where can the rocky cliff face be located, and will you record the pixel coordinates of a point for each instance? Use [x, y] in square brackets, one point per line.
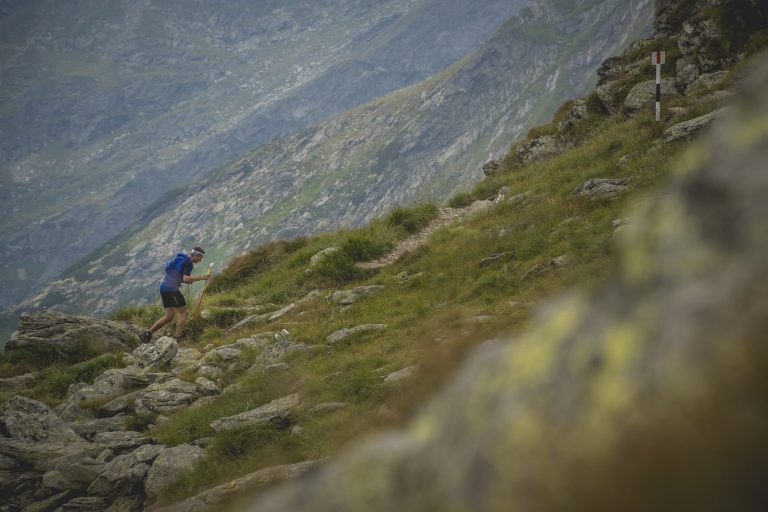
[422, 141]
[105, 108]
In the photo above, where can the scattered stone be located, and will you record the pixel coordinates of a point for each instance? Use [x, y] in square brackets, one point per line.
[563, 260]
[44, 457]
[402, 374]
[207, 387]
[326, 407]
[577, 114]
[51, 330]
[278, 367]
[674, 113]
[519, 198]
[245, 322]
[125, 472]
[348, 297]
[536, 149]
[492, 259]
[297, 430]
[603, 189]
[643, 95]
[624, 160]
[621, 221]
[121, 404]
[57, 482]
[343, 334]
[492, 168]
[311, 296]
[687, 129]
[320, 256]
[158, 353]
[171, 464]
[281, 313]
[167, 397]
[226, 353]
[276, 412]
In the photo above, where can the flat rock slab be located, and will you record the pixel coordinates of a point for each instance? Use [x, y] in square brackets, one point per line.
[603, 188]
[277, 411]
[157, 354]
[211, 499]
[343, 334]
[89, 428]
[51, 329]
[686, 129]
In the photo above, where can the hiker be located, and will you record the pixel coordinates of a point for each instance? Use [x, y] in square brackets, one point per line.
[177, 271]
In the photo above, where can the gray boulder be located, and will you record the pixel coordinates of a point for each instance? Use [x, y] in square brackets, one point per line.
[32, 421]
[51, 330]
[536, 149]
[343, 334]
[575, 116]
[282, 346]
[158, 353]
[44, 457]
[492, 168]
[166, 397]
[402, 374]
[643, 95]
[171, 464]
[51, 503]
[706, 82]
[607, 96]
[277, 412]
[124, 473]
[320, 256]
[688, 129]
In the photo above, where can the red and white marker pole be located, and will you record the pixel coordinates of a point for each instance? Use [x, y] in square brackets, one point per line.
[658, 58]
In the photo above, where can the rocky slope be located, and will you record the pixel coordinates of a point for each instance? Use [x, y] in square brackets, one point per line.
[422, 141]
[104, 109]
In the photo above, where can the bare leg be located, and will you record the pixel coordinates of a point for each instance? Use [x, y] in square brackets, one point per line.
[182, 320]
[169, 312]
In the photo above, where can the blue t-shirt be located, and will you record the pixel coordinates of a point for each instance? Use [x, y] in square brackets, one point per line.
[179, 266]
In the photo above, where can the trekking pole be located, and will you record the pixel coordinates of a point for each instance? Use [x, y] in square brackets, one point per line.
[202, 293]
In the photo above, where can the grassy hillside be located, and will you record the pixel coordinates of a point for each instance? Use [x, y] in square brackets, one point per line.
[454, 303]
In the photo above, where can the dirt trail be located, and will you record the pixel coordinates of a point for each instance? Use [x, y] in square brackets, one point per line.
[444, 216]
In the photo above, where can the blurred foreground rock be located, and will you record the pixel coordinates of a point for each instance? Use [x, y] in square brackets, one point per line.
[652, 394]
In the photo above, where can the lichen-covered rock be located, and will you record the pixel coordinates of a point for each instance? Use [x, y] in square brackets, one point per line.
[536, 149]
[207, 387]
[158, 353]
[320, 256]
[51, 330]
[85, 504]
[706, 82]
[166, 397]
[33, 421]
[277, 411]
[90, 427]
[647, 394]
[492, 168]
[575, 116]
[171, 464]
[121, 441]
[687, 129]
[607, 96]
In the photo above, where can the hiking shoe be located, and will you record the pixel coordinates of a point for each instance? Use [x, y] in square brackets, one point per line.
[145, 337]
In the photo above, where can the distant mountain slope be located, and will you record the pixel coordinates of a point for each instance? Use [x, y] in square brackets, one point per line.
[422, 141]
[107, 106]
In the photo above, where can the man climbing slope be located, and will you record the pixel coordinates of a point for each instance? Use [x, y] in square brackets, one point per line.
[177, 271]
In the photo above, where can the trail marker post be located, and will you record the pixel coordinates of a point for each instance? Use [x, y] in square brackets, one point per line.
[658, 58]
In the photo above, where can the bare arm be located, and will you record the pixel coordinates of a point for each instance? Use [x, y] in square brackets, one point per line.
[193, 279]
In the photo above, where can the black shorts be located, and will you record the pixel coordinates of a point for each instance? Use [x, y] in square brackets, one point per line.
[173, 299]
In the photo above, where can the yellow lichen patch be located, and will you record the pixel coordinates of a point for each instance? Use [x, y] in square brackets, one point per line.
[748, 133]
[613, 390]
[692, 159]
[534, 355]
